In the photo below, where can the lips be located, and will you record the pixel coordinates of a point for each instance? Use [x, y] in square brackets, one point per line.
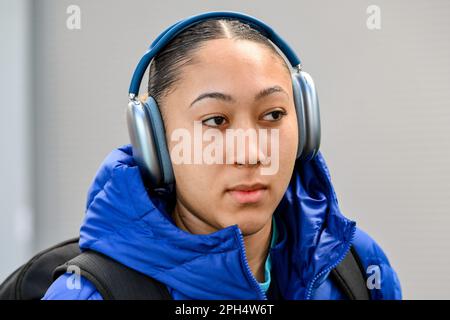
[248, 193]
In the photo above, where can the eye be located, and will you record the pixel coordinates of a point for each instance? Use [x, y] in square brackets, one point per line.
[276, 115]
[215, 121]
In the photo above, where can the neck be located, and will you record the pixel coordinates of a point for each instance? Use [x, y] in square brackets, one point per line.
[256, 244]
[256, 248]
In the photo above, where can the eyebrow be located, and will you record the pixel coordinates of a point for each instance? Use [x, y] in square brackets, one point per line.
[228, 98]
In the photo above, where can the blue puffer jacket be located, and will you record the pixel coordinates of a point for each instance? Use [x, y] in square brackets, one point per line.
[124, 223]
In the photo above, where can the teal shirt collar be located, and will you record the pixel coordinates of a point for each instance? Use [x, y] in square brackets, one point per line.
[268, 266]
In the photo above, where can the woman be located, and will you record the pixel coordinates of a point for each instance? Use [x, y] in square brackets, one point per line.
[214, 238]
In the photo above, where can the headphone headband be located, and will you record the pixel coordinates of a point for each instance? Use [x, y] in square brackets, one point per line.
[167, 35]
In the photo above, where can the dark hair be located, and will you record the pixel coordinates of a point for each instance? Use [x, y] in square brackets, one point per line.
[164, 70]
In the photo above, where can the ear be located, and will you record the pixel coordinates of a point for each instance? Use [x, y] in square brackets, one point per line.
[143, 97]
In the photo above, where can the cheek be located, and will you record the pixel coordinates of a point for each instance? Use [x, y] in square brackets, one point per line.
[287, 155]
[190, 174]
[288, 141]
[199, 184]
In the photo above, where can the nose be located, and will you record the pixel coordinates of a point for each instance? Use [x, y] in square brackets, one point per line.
[243, 145]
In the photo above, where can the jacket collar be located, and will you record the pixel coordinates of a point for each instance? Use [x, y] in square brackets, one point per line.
[123, 222]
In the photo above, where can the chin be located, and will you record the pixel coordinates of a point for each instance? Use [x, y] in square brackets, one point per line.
[251, 220]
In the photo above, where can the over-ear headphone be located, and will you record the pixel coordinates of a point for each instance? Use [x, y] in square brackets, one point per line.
[145, 123]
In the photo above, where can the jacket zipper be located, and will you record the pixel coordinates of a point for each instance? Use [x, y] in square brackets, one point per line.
[339, 260]
[247, 268]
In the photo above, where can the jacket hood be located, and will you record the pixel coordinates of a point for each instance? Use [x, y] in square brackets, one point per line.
[125, 223]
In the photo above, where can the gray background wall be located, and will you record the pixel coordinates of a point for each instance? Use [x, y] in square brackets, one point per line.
[384, 98]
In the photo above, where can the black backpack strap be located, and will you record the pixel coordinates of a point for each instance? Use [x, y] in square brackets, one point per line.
[350, 277]
[31, 280]
[113, 280]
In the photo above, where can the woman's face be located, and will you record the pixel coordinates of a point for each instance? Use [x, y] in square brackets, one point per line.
[238, 70]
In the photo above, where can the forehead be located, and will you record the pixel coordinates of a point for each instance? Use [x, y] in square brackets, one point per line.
[232, 61]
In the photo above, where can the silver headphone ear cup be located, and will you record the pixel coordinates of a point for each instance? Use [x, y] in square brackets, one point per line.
[298, 101]
[159, 134]
[144, 148]
[148, 139]
[310, 106]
